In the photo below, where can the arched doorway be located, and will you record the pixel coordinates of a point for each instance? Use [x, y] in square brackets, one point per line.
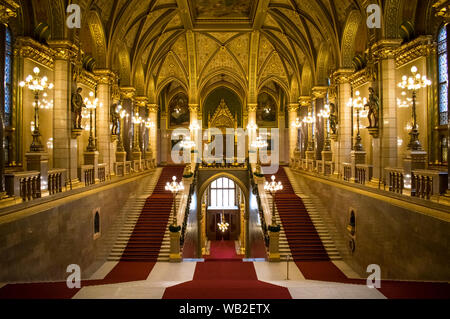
[223, 200]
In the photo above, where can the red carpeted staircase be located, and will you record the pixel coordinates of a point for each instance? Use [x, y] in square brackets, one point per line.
[147, 237]
[303, 239]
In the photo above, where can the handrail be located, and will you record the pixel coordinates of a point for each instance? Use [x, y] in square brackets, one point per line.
[255, 191]
[188, 205]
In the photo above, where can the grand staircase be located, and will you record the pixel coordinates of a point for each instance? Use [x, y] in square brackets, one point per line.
[145, 235]
[303, 234]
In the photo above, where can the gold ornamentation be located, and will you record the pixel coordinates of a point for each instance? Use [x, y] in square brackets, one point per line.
[152, 108]
[385, 49]
[305, 101]
[8, 10]
[293, 107]
[222, 118]
[252, 108]
[128, 92]
[422, 46]
[28, 48]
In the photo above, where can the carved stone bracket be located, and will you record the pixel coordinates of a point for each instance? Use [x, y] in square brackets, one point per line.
[128, 92]
[422, 46]
[385, 49]
[8, 9]
[375, 132]
[26, 47]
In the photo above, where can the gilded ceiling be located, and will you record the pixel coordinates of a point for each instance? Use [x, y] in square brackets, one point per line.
[246, 44]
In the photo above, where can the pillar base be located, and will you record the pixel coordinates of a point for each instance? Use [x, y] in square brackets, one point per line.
[274, 247]
[175, 256]
[121, 157]
[415, 160]
[327, 156]
[91, 158]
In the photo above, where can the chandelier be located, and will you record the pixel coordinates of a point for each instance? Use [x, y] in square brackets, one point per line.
[174, 187]
[273, 187]
[260, 143]
[223, 226]
[187, 143]
[37, 85]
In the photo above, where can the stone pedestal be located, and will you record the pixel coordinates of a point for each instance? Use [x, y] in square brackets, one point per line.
[121, 157]
[175, 256]
[327, 156]
[274, 247]
[310, 155]
[39, 162]
[414, 160]
[357, 158]
[91, 158]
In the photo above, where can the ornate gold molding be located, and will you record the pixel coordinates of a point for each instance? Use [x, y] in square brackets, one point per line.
[361, 77]
[64, 49]
[442, 8]
[422, 46]
[128, 92]
[26, 47]
[305, 101]
[87, 78]
[342, 75]
[319, 92]
[8, 9]
[385, 49]
[141, 101]
[105, 76]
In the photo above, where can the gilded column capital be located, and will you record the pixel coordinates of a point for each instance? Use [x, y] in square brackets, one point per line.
[128, 92]
[193, 108]
[305, 101]
[63, 49]
[152, 108]
[385, 49]
[342, 75]
[252, 107]
[293, 107]
[141, 101]
[8, 9]
[105, 76]
[319, 92]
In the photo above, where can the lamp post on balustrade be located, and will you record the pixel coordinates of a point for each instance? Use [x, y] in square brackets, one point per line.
[259, 143]
[91, 104]
[325, 114]
[358, 105]
[273, 187]
[37, 85]
[414, 83]
[174, 187]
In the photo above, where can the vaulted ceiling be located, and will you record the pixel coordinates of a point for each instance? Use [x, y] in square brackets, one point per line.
[246, 43]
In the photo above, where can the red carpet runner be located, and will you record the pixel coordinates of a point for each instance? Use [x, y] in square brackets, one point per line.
[230, 278]
[138, 259]
[312, 259]
[303, 239]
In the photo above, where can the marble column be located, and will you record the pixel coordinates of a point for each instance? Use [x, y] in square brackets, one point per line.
[293, 130]
[65, 140]
[152, 134]
[252, 132]
[106, 79]
[344, 140]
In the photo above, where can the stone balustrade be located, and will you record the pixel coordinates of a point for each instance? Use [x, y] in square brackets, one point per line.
[87, 174]
[26, 185]
[395, 178]
[364, 174]
[426, 183]
[347, 167]
[56, 180]
[102, 172]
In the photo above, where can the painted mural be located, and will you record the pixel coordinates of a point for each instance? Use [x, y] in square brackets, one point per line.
[222, 8]
[266, 113]
[179, 110]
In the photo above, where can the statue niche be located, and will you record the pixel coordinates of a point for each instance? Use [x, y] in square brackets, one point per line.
[77, 108]
[374, 109]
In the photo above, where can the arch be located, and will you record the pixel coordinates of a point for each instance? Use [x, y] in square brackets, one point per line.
[98, 39]
[284, 86]
[162, 85]
[205, 79]
[124, 66]
[212, 100]
[307, 78]
[323, 64]
[58, 17]
[139, 80]
[349, 37]
[201, 218]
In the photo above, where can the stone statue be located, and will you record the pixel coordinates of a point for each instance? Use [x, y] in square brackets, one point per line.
[115, 120]
[333, 119]
[374, 109]
[77, 108]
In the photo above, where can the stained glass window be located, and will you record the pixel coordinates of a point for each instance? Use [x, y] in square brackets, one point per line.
[8, 77]
[443, 76]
